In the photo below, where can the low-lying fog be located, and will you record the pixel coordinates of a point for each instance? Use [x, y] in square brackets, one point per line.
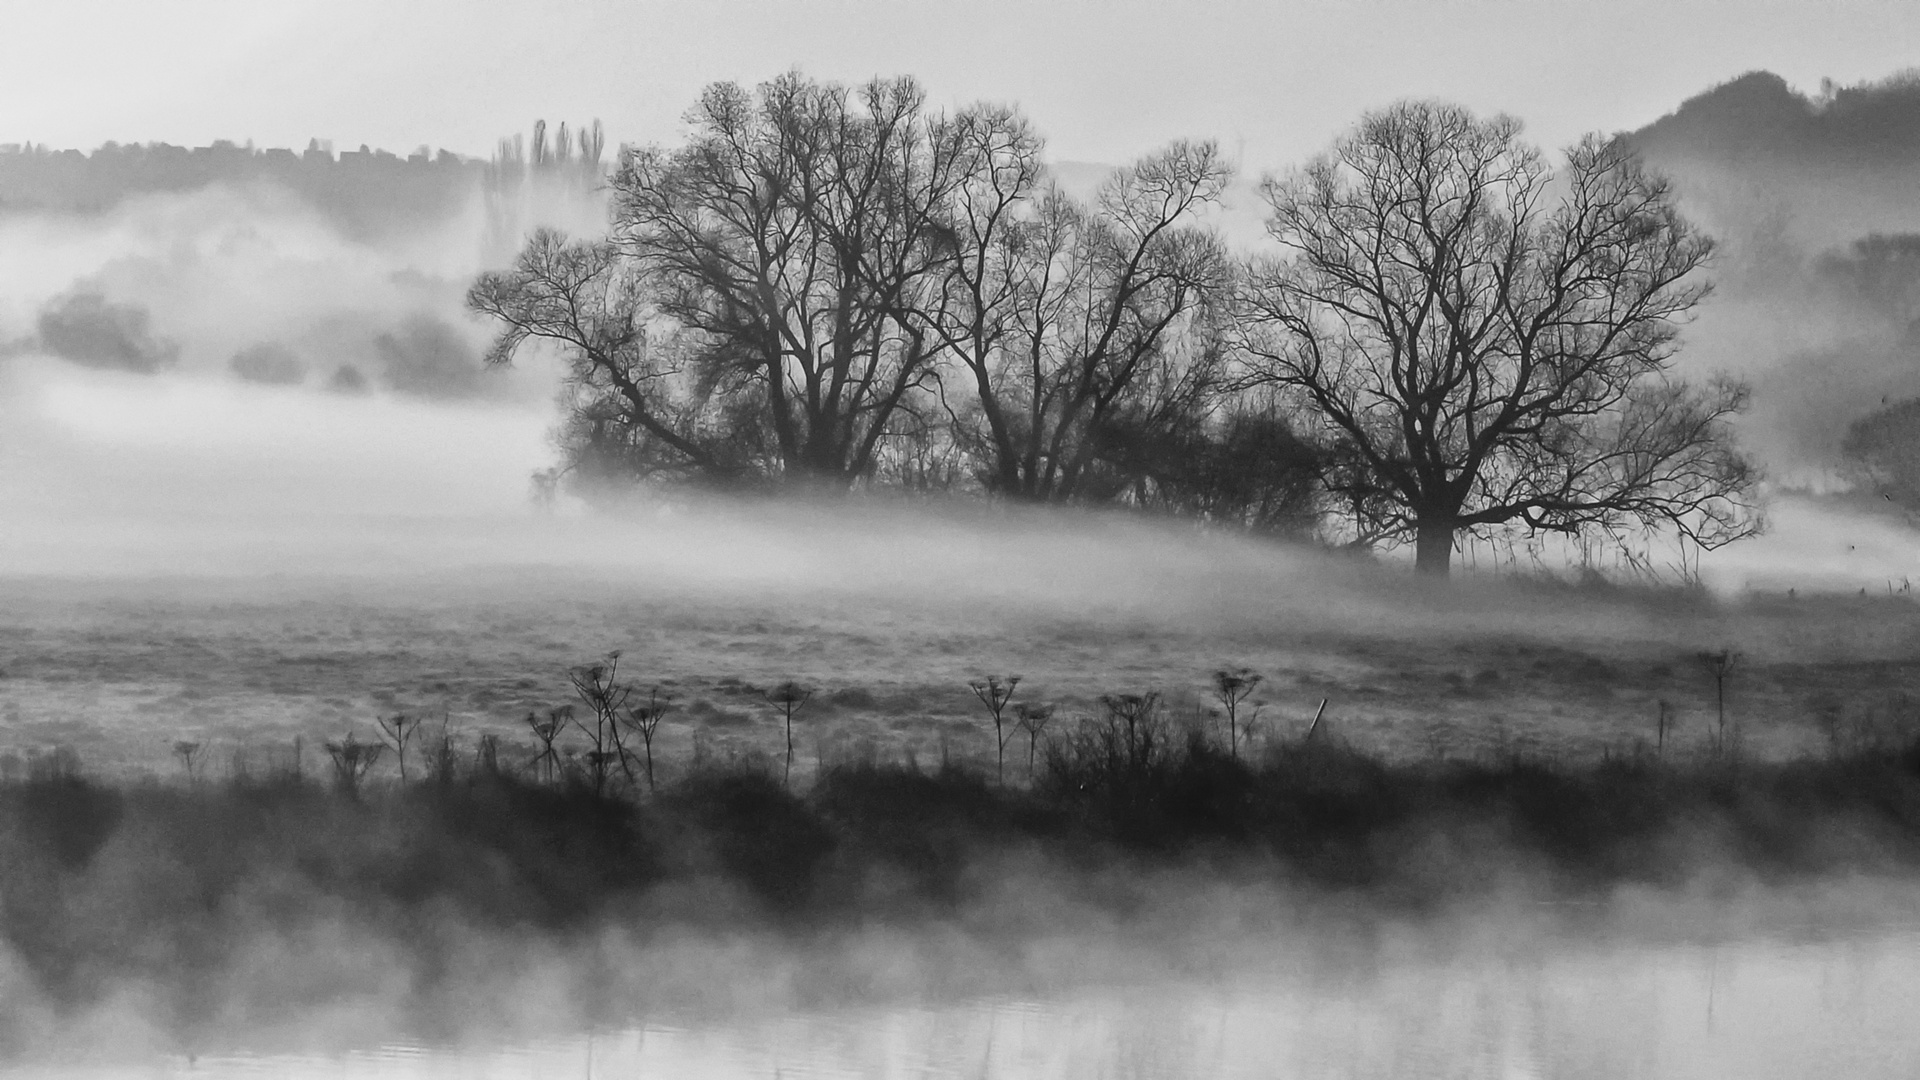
[120, 474]
[1198, 980]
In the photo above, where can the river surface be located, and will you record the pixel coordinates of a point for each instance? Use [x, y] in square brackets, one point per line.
[1786, 1005]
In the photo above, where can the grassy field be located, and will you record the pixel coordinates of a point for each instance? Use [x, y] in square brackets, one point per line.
[121, 669]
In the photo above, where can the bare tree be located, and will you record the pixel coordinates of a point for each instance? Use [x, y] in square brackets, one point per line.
[632, 411]
[1488, 345]
[790, 236]
[779, 296]
[1071, 318]
[991, 217]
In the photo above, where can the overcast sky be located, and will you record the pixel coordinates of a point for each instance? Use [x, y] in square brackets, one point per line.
[1106, 80]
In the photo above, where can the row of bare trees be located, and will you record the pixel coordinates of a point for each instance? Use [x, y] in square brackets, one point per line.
[826, 287]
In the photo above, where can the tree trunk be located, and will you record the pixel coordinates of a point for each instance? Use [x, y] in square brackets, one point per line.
[1433, 546]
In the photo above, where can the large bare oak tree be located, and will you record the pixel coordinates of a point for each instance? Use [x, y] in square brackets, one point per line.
[1487, 343]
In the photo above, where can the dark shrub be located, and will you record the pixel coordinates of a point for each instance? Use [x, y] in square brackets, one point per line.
[761, 833]
[927, 825]
[68, 816]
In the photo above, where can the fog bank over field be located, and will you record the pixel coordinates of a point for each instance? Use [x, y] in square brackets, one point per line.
[223, 381]
[116, 474]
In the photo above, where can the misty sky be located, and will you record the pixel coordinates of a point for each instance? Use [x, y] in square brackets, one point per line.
[1105, 80]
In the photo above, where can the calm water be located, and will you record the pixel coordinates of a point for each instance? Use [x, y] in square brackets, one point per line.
[1779, 1007]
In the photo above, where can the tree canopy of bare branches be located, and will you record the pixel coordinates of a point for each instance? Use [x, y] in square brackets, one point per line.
[1486, 344]
[789, 237]
[826, 286]
[630, 411]
[1073, 321]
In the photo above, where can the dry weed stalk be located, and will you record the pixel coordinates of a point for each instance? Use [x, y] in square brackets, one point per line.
[1231, 687]
[396, 731]
[189, 753]
[1720, 667]
[546, 762]
[994, 692]
[605, 696]
[789, 697]
[645, 719]
[352, 760]
[1033, 718]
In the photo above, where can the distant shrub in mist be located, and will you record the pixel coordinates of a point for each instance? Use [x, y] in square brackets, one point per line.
[269, 363]
[88, 329]
[427, 357]
[760, 833]
[347, 379]
[928, 827]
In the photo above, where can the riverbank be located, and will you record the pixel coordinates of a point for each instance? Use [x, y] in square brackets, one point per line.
[262, 899]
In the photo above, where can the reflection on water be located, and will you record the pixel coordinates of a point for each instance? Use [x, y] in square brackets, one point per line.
[1756, 1009]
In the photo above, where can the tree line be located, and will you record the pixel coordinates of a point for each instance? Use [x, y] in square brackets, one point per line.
[828, 287]
[370, 194]
[366, 193]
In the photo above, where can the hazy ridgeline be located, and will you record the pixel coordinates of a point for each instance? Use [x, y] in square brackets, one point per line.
[369, 195]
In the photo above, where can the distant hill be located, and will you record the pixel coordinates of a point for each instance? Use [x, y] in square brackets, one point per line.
[1827, 168]
[1815, 200]
[1758, 118]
